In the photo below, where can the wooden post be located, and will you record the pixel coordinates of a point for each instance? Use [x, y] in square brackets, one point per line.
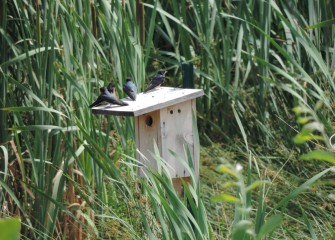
[187, 70]
[162, 116]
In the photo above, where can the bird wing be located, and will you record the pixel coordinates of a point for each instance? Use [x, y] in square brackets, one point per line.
[155, 82]
[113, 100]
[120, 102]
[130, 89]
[131, 94]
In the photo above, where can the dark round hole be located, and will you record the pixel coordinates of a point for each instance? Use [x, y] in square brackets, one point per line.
[179, 111]
[148, 121]
[171, 111]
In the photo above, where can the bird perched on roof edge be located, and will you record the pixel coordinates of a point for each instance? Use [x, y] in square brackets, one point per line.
[111, 88]
[106, 96]
[130, 88]
[156, 81]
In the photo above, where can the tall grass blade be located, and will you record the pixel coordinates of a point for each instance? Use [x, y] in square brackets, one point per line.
[270, 225]
[309, 225]
[283, 203]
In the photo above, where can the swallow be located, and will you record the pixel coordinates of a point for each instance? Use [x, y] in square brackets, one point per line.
[111, 88]
[106, 96]
[130, 89]
[156, 81]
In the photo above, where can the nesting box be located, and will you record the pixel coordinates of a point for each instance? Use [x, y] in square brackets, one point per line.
[163, 117]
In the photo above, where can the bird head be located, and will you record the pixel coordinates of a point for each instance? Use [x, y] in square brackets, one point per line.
[111, 88]
[161, 71]
[103, 89]
[128, 79]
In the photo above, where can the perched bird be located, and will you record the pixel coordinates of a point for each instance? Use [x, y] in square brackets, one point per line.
[130, 89]
[106, 96]
[111, 88]
[156, 81]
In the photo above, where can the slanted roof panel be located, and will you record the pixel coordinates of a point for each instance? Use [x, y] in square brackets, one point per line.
[150, 101]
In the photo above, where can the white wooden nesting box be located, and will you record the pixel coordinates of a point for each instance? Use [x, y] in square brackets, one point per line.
[162, 116]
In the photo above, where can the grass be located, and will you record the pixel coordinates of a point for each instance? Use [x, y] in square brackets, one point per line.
[280, 184]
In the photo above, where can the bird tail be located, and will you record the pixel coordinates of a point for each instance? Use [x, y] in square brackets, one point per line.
[93, 104]
[148, 89]
[132, 95]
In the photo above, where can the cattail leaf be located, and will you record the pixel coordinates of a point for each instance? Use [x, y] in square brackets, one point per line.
[27, 109]
[35, 128]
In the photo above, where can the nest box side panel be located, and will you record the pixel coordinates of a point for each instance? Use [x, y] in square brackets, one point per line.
[196, 150]
[176, 134]
[147, 133]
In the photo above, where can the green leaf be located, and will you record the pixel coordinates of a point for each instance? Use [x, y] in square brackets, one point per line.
[305, 137]
[303, 120]
[10, 228]
[5, 164]
[26, 109]
[230, 184]
[240, 125]
[254, 185]
[270, 225]
[243, 230]
[301, 109]
[329, 22]
[261, 211]
[225, 198]
[309, 225]
[24, 56]
[319, 155]
[331, 230]
[225, 169]
[283, 203]
[35, 128]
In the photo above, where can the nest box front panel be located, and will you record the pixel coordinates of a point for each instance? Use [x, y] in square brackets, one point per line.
[176, 134]
[147, 133]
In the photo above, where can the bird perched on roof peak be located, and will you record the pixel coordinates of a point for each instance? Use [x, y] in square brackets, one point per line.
[106, 96]
[130, 88]
[156, 81]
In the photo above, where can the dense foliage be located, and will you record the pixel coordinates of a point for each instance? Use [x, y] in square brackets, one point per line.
[69, 174]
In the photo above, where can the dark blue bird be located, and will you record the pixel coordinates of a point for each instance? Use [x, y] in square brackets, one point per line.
[111, 88]
[156, 81]
[130, 89]
[106, 96]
